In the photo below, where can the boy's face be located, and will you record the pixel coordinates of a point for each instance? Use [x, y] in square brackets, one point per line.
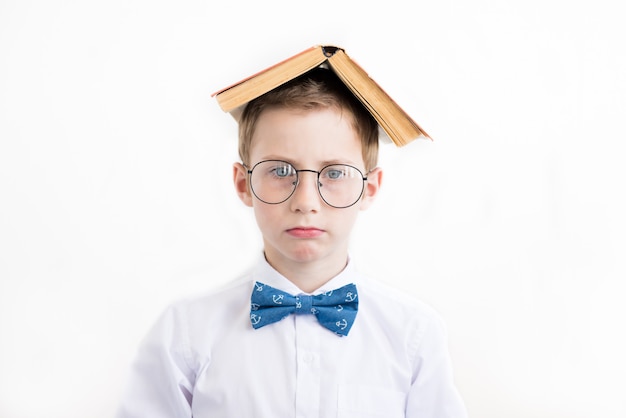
[304, 229]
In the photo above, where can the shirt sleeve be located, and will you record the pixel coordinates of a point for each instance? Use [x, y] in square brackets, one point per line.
[161, 381]
[433, 393]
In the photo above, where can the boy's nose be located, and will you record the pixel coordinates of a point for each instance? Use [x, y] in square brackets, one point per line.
[306, 197]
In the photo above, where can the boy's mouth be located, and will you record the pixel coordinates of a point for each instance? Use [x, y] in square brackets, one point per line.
[305, 232]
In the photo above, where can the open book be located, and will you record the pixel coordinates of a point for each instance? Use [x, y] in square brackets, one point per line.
[394, 121]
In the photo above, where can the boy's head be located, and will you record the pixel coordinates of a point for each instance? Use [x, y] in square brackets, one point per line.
[309, 152]
[317, 89]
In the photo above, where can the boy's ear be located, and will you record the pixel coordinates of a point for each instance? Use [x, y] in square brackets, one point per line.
[240, 179]
[372, 186]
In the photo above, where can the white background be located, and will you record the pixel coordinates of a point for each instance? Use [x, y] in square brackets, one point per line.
[116, 195]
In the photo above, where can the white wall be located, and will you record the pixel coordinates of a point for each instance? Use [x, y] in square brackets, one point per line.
[115, 193]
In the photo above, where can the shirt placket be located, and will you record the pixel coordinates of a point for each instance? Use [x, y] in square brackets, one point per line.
[308, 372]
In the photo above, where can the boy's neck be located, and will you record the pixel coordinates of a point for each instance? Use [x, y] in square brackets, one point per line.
[308, 276]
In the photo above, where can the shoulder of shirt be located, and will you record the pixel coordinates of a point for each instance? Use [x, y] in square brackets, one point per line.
[401, 313]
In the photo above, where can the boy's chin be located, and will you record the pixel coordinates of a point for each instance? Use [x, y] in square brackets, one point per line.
[306, 253]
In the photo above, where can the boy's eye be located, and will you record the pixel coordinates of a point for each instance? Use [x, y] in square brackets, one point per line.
[283, 171]
[334, 173]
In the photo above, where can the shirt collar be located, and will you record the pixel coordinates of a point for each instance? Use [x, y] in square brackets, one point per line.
[265, 273]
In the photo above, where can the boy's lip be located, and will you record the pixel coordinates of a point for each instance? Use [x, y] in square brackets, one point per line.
[305, 232]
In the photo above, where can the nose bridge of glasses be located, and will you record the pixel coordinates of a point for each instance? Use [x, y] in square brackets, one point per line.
[305, 170]
[308, 170]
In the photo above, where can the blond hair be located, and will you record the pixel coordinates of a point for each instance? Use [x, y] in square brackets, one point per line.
[318, 89]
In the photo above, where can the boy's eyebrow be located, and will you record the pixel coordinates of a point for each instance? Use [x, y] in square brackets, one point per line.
[331, 162]
[298, 165]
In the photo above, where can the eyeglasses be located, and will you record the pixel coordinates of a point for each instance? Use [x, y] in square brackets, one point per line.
[275, 181]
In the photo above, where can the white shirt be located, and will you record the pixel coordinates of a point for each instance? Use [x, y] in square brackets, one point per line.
[204, 359]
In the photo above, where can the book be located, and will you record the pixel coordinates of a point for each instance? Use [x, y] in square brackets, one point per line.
[392, 119]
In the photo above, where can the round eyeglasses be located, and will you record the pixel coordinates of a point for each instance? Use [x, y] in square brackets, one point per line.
[275, 181]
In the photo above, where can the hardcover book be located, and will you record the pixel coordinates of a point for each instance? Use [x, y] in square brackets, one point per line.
[392, 119]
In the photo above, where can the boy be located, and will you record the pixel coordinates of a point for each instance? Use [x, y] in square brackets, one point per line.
[303, 334]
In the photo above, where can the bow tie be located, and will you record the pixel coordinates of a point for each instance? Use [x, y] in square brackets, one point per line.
[335, 310]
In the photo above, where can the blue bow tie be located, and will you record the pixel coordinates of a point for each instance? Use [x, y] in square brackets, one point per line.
[335, 310]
